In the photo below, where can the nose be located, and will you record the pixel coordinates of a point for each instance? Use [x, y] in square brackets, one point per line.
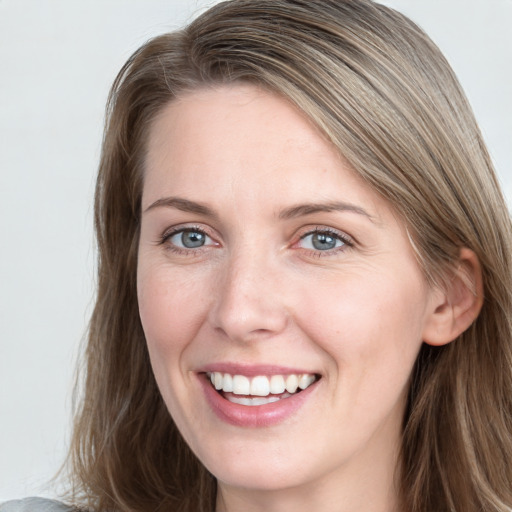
[249, 300]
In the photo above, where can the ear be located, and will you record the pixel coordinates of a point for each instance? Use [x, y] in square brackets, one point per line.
[456, 306]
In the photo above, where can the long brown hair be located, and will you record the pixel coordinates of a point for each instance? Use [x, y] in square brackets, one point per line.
[381, 91]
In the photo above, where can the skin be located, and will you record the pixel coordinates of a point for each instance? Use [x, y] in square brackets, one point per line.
[259, 292]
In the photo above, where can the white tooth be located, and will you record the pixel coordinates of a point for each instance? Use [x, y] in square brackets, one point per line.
[306, 380]
[277, 385]
[242, 400]
[218, 380]
[241, 385]
[228, 383]
[292, 383]
[212, 378]
[260, 386]
[263, 401]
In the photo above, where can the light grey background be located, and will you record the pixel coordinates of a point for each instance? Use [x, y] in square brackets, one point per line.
[57, 61]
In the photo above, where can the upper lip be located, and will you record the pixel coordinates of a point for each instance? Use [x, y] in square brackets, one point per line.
[252, 370]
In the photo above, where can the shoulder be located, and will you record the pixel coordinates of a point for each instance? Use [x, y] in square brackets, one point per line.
[34, 505]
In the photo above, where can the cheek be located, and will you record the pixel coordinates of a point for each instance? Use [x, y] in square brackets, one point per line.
[370, 325]
[171, 311]
[171, 308]
[372, 335]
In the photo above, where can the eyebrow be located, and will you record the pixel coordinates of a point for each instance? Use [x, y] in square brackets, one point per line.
[291, 212]
[311, 208]
[182, 204]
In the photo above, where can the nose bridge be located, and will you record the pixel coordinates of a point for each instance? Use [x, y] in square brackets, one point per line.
[249, 301]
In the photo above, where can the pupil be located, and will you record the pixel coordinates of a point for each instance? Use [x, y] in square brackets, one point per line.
[323, 242]
[192, 239]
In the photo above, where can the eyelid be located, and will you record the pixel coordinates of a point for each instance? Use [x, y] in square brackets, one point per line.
[346, 239]
[165, 237]
[172, 230]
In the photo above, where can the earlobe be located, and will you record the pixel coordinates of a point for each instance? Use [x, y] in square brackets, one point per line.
[456, 306]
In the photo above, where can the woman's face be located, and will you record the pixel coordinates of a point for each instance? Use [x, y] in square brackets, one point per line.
[265, 262]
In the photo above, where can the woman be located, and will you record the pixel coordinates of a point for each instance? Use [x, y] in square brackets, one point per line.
[304, 277]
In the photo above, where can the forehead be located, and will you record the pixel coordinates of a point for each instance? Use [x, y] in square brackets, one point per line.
[241, 138]
[230, 118]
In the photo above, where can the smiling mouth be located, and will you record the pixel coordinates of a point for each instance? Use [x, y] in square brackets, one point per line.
[259, 390]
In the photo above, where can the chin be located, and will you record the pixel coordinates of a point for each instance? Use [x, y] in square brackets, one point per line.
[260, 464]
[260, 476]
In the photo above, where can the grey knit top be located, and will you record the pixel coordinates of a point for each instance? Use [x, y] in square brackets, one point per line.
[34, 505]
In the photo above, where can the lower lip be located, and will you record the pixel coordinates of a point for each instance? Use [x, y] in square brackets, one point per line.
[256, 415]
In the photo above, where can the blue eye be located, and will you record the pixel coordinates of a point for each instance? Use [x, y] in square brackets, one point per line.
[322, 241]
[190, 239]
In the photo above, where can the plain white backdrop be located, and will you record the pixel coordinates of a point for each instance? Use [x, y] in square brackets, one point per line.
[57, 61]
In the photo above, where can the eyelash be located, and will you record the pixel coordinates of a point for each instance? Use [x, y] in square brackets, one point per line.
[347, 241]
[165, 240]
